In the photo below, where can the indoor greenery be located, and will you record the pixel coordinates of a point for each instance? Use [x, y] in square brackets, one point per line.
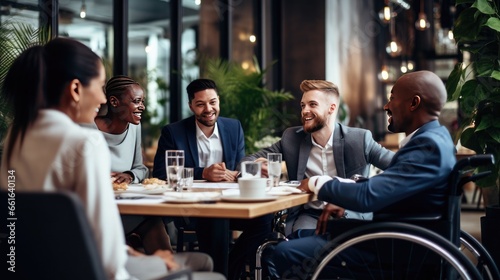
[15, 37]
[476, 85]
[243, 96]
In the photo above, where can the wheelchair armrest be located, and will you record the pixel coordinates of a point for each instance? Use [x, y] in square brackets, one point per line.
[407, 217]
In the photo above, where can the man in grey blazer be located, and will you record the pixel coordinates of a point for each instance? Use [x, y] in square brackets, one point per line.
[323, 147]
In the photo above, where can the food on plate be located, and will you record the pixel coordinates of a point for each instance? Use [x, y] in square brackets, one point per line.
[120, 186]
[153, 183]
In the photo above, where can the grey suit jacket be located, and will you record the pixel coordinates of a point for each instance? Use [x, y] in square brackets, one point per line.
[353, 150]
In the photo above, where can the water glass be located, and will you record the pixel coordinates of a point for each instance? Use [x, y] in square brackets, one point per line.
[175, 164]
[250, 169]
[274, 168]
[187, 178]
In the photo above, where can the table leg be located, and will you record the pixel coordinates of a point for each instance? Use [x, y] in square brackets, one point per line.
[214, 240]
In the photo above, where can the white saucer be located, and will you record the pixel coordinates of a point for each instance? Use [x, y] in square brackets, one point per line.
[237, 198]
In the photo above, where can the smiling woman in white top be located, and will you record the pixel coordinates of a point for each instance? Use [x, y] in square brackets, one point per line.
[50, 88]
[121, 126]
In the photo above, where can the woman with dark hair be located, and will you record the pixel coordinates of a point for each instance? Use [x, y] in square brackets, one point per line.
[121, 127]
[50, 88]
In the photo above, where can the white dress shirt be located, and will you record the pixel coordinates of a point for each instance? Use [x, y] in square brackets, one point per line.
[320, 162]
[209, 148]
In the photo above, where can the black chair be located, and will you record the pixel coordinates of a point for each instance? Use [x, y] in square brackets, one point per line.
[53, 238]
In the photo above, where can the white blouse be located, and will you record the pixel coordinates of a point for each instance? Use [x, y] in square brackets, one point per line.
[58, 154]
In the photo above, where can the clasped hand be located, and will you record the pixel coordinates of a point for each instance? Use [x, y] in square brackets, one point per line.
[217, 172]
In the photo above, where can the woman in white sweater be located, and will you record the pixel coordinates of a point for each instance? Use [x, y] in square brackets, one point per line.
[121, 127]
[50, 88]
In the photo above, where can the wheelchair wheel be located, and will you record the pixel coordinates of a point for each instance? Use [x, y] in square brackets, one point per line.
[479, 256]
[389, 250]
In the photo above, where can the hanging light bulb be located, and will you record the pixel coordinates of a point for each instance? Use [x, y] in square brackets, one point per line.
[410, 65]
[422, 23]
[403, 68]
[384, 74]
[83, 10]
[450, 35]
[394, 48]
[385, 14]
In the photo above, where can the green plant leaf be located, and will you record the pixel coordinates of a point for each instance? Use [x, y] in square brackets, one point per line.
[484, 6]
[452, 83]
[465, 29]
[495, 133]
[484, 66]
[493, 23]
[469, 140]
[495, 75]
[486, 122]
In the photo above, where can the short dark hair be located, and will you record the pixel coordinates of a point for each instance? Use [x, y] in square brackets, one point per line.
[199, 85]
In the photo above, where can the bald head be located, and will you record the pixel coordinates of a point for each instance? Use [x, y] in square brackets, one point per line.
[428, 86]
[416, 99]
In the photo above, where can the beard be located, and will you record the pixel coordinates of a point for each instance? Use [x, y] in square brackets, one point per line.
[208, 123]
[318, 124]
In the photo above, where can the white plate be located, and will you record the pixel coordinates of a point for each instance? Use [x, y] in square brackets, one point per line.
[284, 190]
[237, 198]
[139, 188]
[279, 192]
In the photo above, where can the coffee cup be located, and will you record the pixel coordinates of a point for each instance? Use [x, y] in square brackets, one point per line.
[253, 187]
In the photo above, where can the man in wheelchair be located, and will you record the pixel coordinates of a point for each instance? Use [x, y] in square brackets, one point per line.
[414, 183]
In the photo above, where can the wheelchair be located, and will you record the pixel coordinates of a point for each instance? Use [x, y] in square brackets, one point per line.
[407, 247]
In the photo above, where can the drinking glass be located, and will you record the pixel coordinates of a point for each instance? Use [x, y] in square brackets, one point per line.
[250, 169]
[175, 164]
[187, 178]
[274, 168]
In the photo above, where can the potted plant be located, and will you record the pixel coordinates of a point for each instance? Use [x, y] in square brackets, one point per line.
[244, 97]
[14, 39]
[476, 86]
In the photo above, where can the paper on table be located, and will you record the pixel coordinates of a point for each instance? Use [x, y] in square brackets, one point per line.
[219, 185]
[139, 199]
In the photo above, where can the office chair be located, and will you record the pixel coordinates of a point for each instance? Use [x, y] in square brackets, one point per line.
[53, 238]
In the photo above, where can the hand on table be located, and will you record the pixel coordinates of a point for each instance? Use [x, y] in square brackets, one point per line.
[329, 210]
[217, 172]
[121, 177]
[304, 186]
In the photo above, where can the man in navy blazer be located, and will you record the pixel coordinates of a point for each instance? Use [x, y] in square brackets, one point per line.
[213, 145]
[347, 150]
[182, 136]
[417, 174]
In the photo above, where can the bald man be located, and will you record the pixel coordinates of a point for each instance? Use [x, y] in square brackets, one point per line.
[414, 183]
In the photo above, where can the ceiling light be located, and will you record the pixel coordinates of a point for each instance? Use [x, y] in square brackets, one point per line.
[83, 10]
[394, 48]
[422, 23]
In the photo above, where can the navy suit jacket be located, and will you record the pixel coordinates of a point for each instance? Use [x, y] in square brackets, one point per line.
[353, 151]
[415, 181]
[182, 136]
